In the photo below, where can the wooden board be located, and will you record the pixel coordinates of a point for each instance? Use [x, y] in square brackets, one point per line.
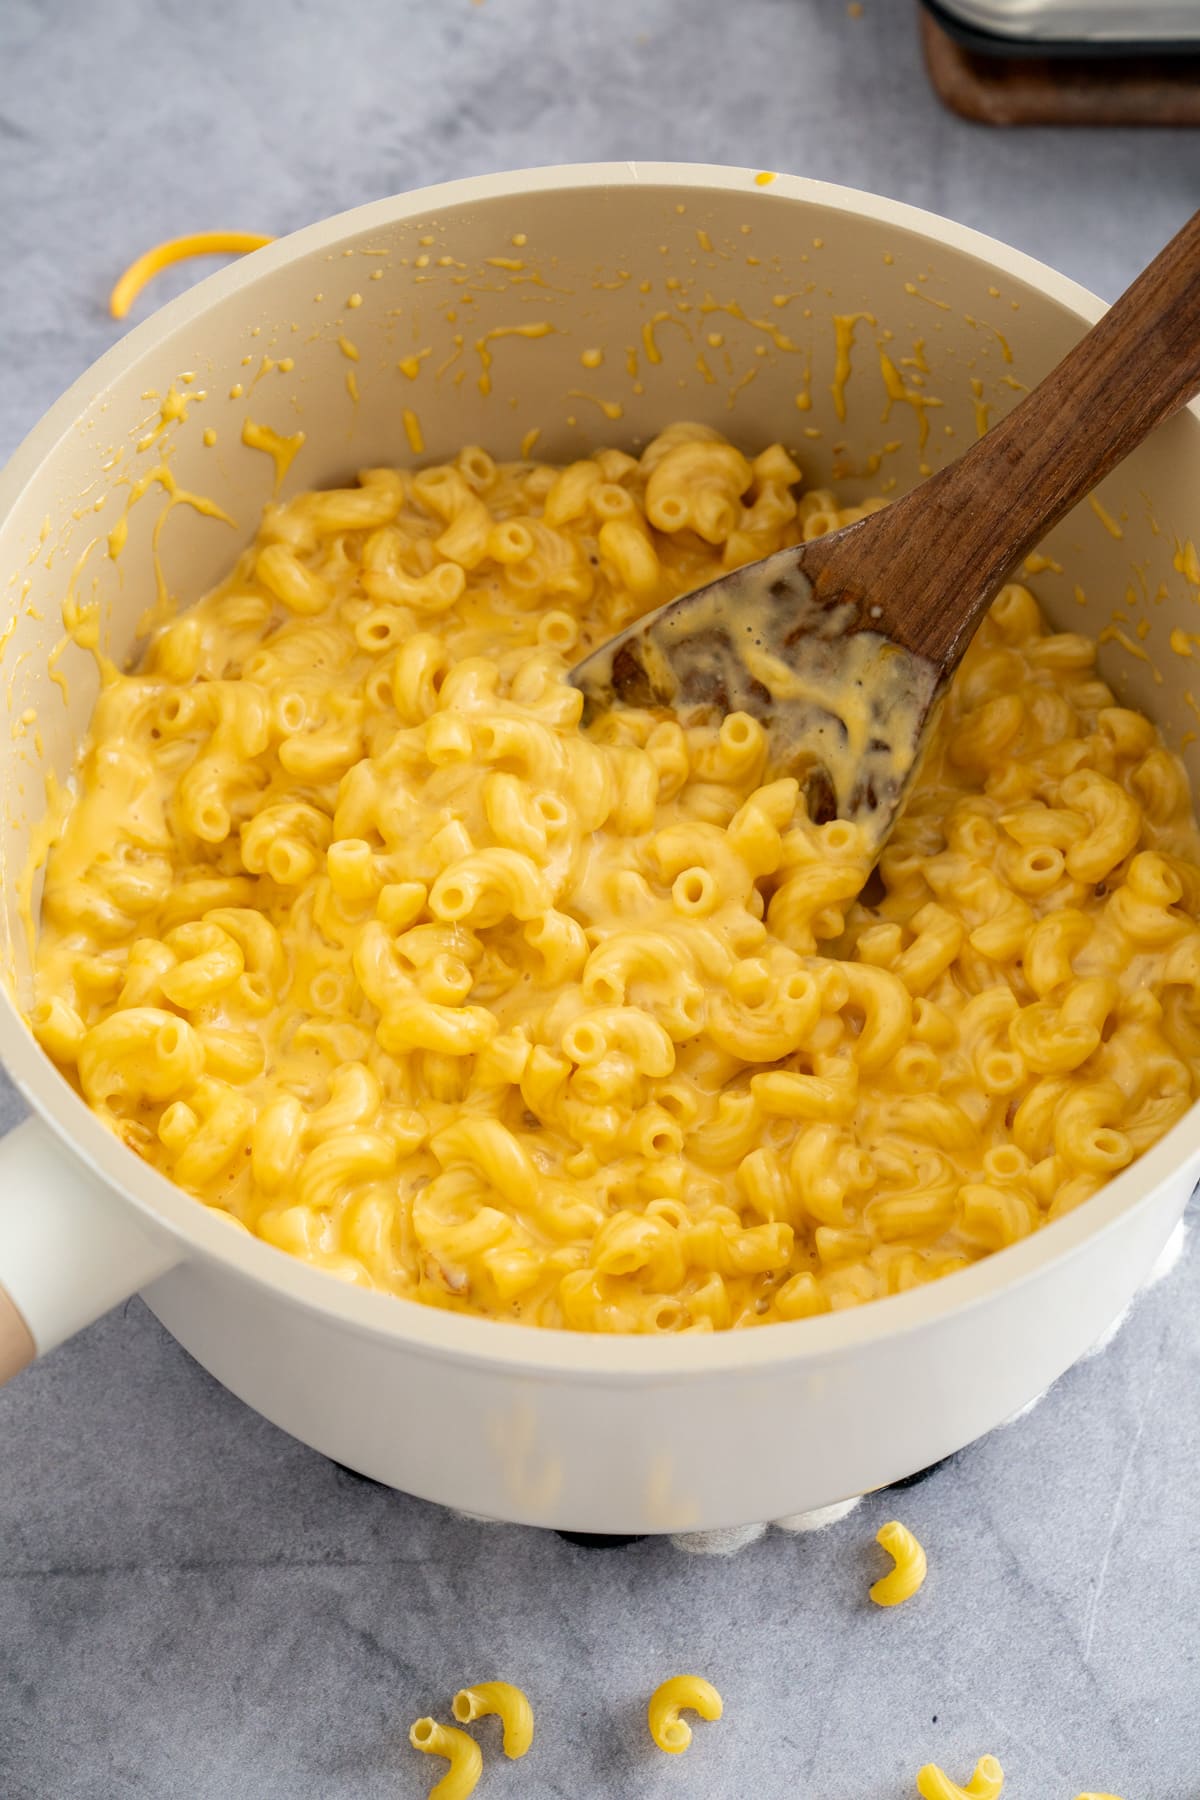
[1107, 90]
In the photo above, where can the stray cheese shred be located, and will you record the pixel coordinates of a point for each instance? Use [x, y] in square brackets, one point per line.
[174, 250]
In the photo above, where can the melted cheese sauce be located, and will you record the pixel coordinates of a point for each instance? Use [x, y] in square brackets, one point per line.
[353, 931]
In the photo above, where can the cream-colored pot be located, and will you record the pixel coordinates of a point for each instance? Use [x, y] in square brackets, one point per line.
[473, 313]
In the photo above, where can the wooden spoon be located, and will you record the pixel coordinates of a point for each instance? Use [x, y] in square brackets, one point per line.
[842, 647]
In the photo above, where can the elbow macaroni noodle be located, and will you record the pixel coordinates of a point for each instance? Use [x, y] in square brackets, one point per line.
[461, 1752]
[352, 931]
[910, 1570]
[510, 1704]
[985, 1784]
[669, 1731]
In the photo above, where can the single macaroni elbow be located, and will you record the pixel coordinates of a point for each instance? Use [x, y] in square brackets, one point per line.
[461, 1752]
[508, 1703]
[904, 1580]
[681, 1692]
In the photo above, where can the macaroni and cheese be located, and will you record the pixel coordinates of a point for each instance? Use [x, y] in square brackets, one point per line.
[352, 930]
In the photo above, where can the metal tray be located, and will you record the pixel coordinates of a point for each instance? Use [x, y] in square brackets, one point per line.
[1071, 27]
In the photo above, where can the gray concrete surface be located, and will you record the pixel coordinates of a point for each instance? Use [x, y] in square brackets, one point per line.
[193, 1606]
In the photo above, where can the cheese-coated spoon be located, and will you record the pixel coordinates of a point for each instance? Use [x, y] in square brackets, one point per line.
[842, 647]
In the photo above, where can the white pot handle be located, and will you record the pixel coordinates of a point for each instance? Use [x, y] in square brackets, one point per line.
[70, 1248]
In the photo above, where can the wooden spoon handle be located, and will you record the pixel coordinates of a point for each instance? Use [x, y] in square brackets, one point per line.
[953, 541]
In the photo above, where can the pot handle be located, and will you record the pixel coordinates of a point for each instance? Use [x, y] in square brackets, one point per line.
[70, 1248]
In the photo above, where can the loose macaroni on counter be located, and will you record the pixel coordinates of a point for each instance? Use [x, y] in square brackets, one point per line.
[502, 1700]
[910, 1567]
[680, 1693]
[460, 1751]
[352, 931]
[986, 1783]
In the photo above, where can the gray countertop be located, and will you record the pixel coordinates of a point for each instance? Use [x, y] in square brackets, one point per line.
[194, 1606]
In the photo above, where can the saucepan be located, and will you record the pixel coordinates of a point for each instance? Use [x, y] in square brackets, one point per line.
[566, 308]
